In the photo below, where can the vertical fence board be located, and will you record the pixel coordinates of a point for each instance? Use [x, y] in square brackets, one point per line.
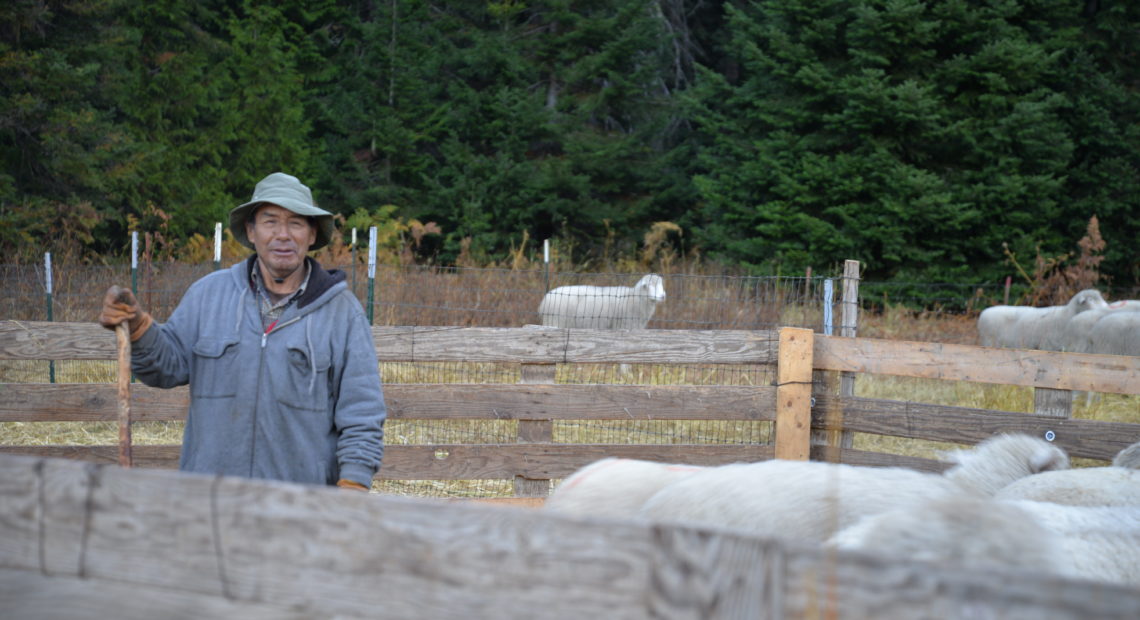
[535, 431]
[793, 394]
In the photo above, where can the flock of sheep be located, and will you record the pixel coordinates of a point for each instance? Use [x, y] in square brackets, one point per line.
[1009, 501]
[1087, 324]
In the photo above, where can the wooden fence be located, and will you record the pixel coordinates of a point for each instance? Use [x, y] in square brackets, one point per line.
[79, 537]
[80, 540]
[795, 404]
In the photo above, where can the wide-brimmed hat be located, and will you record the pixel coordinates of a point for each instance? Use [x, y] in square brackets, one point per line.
[285, 191]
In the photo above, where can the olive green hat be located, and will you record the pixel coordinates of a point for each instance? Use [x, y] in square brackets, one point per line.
[289, 193]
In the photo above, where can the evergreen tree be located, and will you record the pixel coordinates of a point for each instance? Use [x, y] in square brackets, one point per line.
[495, 119]
[914, 137]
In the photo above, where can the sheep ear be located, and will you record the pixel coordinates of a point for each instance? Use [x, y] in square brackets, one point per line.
[1048, 458]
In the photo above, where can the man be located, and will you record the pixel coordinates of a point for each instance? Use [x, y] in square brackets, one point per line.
[278, 353]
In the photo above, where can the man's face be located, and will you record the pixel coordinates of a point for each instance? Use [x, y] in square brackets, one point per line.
[281, 238]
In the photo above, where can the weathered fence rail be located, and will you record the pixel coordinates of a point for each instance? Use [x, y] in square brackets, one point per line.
[536, 402]
[79, 540]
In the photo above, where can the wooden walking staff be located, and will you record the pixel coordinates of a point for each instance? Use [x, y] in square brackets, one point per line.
[123, 339]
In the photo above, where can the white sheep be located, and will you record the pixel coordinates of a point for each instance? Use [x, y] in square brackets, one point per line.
[1076, 336]
[959, 530]
[1128, 458]
[603, 307]
[1102, 543]
[1028, 327]
[811, 500]
[614, 487]
[1116, 333]
[1087, 486]
[1099, 543]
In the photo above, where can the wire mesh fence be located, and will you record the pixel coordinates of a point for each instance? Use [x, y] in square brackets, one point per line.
[419, 295]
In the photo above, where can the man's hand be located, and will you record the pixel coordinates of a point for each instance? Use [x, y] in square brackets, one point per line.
[119, 305]
[345, 483]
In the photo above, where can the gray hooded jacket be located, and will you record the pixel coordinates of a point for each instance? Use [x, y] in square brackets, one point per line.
[302, 402]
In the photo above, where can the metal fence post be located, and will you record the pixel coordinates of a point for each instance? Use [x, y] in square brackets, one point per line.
[47, 283]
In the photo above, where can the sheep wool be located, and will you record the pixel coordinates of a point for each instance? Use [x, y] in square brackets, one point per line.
[811, 500]
[614, 487]
[1077, 334]
[1102, 543]
[1028, 327]
[963, 531]
[1116, 333]
[1000, 460]
[1128, 458]
[603, 307]
[1089, 486]
[1096, 543]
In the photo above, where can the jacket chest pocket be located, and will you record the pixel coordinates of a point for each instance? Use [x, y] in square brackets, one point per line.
[215, 368]
[305, 381]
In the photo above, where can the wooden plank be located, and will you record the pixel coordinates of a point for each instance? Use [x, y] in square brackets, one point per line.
[1070, 371]
[123, 351]
[457, 461]
[550, 344]
[29, 595]
[851, 456]
[45, 340]
[323, 552]
[88, 402]
[793, 394]
[1053, 403]
[965, 425]
[515, 502]
[545, 461]
[148, 456]
[534, 431]
[1119, 374]
[40, 340]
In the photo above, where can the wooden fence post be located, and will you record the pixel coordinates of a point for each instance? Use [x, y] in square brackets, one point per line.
[793, 394]
[848, 325]
[535, 431]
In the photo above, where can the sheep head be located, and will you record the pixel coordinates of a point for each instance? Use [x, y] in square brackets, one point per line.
[999, 460]
[651, 286]
[1087, 299]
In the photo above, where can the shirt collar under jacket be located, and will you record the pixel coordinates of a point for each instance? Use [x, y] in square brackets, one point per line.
[271, 311]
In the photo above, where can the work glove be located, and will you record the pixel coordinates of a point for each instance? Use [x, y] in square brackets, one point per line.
[119, 305]
[345, 483]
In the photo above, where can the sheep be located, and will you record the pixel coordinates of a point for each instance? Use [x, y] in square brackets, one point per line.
[1116, 333]
[1075, 337]
[1095, 543]
[1101, 542]
[614, 487]
[1088, 486]
[603, 307]
[1028, 327]
[810, 500]
[966, 531]
[1128, 458]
